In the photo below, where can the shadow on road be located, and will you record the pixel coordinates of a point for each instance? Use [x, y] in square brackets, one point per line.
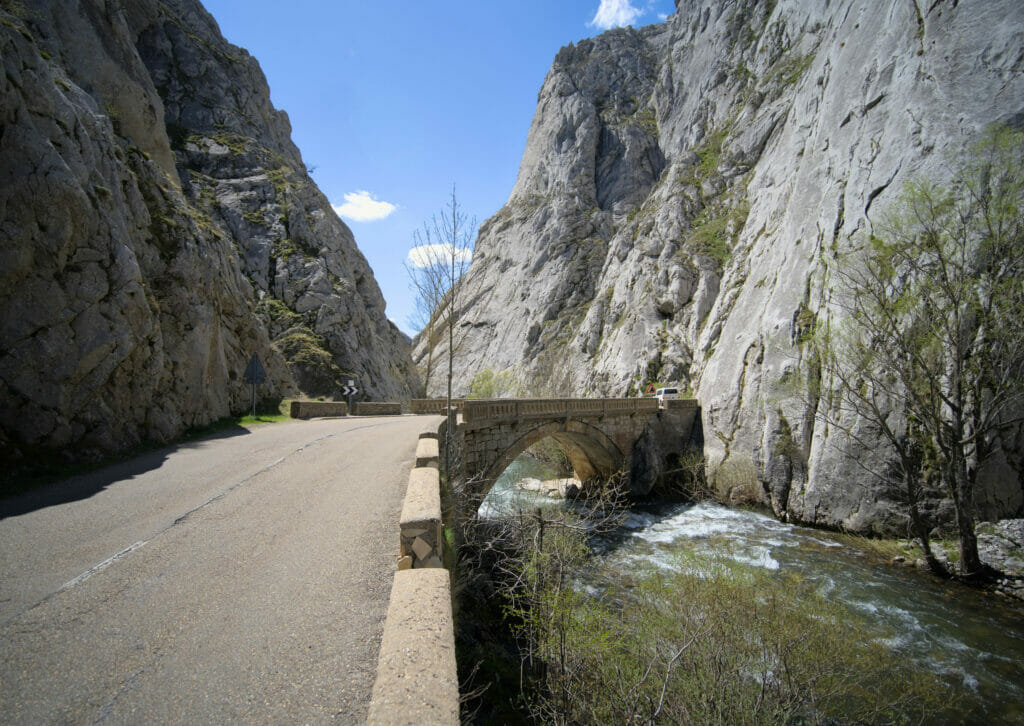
[82, 486]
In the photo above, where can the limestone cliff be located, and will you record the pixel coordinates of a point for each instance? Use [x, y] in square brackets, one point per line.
[685, 188]
[158, 227]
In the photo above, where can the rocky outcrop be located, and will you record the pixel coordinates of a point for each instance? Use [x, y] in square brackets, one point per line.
[684, 190]
[158, 227]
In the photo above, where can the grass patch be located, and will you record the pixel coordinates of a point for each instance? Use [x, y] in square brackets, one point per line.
[279, 315]
[250, 420]
[791, 69]
[710, 153]
[715, 232]
[881, 548]
[888, 549]
[303, 346]
[255, 217]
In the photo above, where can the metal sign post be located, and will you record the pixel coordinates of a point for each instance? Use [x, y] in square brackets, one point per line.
[254, 375]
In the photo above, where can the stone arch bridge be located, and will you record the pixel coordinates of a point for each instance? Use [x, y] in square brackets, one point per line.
[599, 436]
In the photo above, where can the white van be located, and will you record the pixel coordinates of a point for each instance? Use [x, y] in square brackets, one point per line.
[664, 394]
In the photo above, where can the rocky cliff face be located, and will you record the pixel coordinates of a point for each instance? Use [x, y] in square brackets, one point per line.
[684, 190]
[158, 227]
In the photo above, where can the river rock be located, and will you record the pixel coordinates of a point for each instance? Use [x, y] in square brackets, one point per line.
[1001, 545]
[551, 488]
[684, 190]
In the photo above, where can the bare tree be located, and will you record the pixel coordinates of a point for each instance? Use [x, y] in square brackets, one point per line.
[930, 348]
[425, 280]
[439, 258]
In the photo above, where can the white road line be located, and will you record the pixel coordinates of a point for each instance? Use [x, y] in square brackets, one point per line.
[127, 550]
[97, 568]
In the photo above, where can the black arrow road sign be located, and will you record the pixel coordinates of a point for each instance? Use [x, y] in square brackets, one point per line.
[349, 390]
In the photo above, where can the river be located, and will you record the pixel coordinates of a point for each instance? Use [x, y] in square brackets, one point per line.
[973, 640]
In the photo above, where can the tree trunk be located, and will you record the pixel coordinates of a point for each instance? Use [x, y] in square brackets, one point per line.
[970, 561]
[451, 329]
[917, 523]
[961, 480]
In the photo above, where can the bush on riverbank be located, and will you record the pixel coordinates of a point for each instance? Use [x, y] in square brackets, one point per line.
[709, 642]
[719, 643]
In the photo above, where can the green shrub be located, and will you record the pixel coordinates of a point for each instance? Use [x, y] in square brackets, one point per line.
[311, 362]
[490, 384]
[708, 642]
[716, 231]
[278, 315]
[736, 482]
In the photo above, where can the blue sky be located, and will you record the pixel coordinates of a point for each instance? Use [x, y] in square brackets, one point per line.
[393, 101]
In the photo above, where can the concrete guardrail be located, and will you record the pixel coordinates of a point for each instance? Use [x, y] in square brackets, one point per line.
[417, 675]
[417, 679]
[427, 453]
[421, 533]
[317, 409]
[376, 408]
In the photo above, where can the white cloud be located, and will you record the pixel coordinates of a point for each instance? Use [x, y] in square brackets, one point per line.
[614, 14]
[362, 207]
[430, 255]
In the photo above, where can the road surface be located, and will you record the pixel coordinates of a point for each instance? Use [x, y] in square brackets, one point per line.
[243, 578]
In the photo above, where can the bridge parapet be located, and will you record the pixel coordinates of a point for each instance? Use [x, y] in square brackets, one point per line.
[681, 404]
[432, 405]
[484, 410]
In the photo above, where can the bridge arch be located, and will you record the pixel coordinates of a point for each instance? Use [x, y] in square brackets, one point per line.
[600, 436]
[591, 451]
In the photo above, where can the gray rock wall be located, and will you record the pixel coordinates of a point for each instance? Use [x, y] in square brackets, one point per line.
[158, 226]
[683, 192]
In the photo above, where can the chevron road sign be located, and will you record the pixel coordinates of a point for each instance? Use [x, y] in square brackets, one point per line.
[348, 391]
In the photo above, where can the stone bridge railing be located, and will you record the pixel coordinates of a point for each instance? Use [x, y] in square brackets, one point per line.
[422, 406]
[475, 411]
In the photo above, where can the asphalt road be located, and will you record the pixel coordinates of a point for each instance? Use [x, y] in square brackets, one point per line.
[238, 579]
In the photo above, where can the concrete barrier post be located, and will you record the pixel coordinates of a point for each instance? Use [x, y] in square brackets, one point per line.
[376, 408]
[421, 532]
[417, 678]
[315, 409]
[427, 453]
